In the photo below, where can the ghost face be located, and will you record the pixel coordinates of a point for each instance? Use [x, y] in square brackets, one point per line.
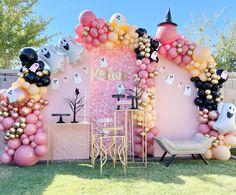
[230, 111]
[65, 43]
[45, 52]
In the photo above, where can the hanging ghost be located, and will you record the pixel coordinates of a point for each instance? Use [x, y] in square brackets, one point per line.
[52, 57]
[226, 120]
[72, 49]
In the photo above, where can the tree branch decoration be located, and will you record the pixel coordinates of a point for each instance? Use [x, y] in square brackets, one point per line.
[76, 104]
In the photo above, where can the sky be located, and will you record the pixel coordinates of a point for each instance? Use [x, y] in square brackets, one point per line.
[143, 13]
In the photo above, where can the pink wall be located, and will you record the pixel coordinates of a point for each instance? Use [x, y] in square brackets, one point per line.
[176, 113]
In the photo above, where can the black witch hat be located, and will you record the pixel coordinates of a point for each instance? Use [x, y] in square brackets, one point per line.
[168, 19]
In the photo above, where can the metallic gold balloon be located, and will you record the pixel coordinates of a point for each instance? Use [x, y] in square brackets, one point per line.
[179, 45]
[12, 136]
[30, 104]
[145, 40]
[36, 106]
[145, 36]
[142, 53]
[86, 28]
[217, 99]
[12, 130]
[15, 115]
[5, 114]
[22, 120]
[25, 70]
[209, 97]
[20, 74]
[142, 47]
[140, 43]
[24, 111]
[121, 38]
[1, 113]
[19, 131]
[208, 91]
[7, 133]
[39, 73]
[156, 73]
[108, 24]
[151, 75]
[6, 138]
[208, 74]
[213, 71]
[179, 50]
[45, 72]
[147, 55]
[17, 96]
[85, 33]
[147, 50]
[110, 28]
[16, 124]
[221, 97]
[190, 52]
[148, 44]
[214, 81]
[46, 102]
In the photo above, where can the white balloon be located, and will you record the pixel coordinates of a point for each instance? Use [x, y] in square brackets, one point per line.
[226, 120]
[52, 57]
[71, 48]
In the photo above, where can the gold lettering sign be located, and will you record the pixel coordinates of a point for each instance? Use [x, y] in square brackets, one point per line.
[101, 74]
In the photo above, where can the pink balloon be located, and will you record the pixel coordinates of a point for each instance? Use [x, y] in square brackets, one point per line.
[88, 46]
[213, 115]
[101, 31]
[182, 64]
[150, 82]
[88, 39]
[31, 138]
[40, 130]
[150, 149]
[174, 44]
[162, 50]
[30, 129]
[39, 124]
[79, 39]
[6, 148]
[137, 139]
[143, 66]
[23, 136]
[213, 133]
[172, 52]
[138, 62]
[184, 50]
[210, 123]
[105, 29]
[151, 67]
[86, 17]
[14, 143]
[7, 123]
[41, 150]
[143, 74]
[150, 136]
[202, 120]
[137, 148]
[31, 119]
[1, 118]
[94, 23]
[10, 152]
[5, 158]
[40, 138]
[140, 155]
[40, 117]
[26, 141]
[187, 59]
[37, 112]
[96, 42]
[143, 81]
[178, 59]
[93, 32]
[146, 61]
[137, 131]
[33, 144]
[79, 29]
[203, 128]
[102, 38]
[101, 23]
[25, 156]
[154, 130]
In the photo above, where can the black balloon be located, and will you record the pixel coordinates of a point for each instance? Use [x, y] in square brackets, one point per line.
[141, 31]
[29, 77]
[198, 84]
[198, 101]
[45, 80]
[154, 44]
[41, 65]
[28, 56]
[38, 81]
[201, 93]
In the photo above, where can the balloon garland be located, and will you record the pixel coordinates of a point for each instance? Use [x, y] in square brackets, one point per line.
[20, 112]
[22, 103]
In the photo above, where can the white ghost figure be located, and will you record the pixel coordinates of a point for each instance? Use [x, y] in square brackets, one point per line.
[52, 57]
[120, 88]
[226, 120]
[71, 48]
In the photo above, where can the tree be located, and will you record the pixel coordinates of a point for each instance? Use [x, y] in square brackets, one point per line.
[19, 27]
[221, 39]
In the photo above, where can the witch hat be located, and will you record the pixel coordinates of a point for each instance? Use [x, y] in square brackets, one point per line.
[168, 19]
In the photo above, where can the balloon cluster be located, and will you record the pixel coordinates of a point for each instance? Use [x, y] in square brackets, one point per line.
[180, 51]
[33, 70]
[20, 113]
[147, 47]
[208, 93]
[94, 32]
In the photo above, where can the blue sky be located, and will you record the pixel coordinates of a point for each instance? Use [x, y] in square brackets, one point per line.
[147, 13]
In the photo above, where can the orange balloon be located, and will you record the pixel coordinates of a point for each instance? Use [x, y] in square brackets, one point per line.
[17, 96]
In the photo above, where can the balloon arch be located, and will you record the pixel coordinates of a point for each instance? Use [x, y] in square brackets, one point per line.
[22, 104]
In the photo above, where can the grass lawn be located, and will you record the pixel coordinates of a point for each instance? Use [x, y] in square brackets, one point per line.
[182, 177]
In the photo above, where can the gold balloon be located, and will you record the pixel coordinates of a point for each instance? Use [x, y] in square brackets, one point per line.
[86, 28]
[213, 71]
[214, 81]
[221, 96]
[142, 47]
[19, 131]
[208, 92]
[22, 120]
[12, 130]
[108, 24]
[17, 124]
[179, 45]
[17, 95]
[179, 50]
[7, 133]
[12, 136]
[151, 75]
[22, 125]
[84, 33]
[145, 40]
[20, 74]
[25, 70]
[148, 44]
[217, 99]
[190, 52]
[147, 55]
[110, 28]
[142, 53]
[6, 138]
[45, 72]
[209, 97]
[5, 114]
[39, 73]
[147, 49]
[140, 39]
[156, 73]
[145, 36]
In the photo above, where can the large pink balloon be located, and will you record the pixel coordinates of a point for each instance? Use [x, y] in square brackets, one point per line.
[154, 130]
[137, 139]
[86, 17]
[150, 82]
[14, 143]
[213, 133]
[203, 128]
[25, 156]
[137, 148]
[78, 30]
[150, 136]
[40, 138]
[5, 158]
[30, 129]
[41, 150]
[137, 131]
[31, 118]
[7, 123]
[143, 74]
[151, 68]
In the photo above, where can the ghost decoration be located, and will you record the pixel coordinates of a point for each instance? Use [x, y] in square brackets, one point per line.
[71, 48]
[52, 57]
[226, 120]
[120, 88]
